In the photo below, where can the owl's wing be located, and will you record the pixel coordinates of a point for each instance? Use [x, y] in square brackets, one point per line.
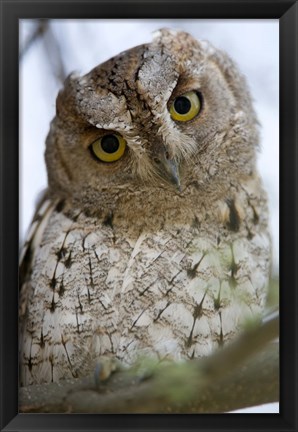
[44, 209]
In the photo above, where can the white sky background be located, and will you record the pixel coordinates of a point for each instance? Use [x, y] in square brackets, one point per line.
[253, 44]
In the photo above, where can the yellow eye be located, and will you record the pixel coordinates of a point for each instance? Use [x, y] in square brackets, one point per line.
[109, 148]
[185, 107]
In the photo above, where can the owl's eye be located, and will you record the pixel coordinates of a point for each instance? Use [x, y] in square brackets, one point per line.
[185, 107]
[109, 148]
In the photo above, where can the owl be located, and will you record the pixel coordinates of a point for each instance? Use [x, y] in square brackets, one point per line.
[152, 237]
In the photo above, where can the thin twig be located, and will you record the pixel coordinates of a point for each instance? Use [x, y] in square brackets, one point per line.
[54, 55]
[38, 31]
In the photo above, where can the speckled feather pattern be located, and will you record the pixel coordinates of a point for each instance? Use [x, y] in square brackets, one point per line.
[119, 263]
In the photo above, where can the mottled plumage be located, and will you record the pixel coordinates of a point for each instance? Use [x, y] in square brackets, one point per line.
[163, 252]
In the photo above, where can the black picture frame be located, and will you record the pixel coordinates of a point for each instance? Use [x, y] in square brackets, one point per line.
[11, 12]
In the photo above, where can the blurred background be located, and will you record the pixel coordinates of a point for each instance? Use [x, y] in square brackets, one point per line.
[51, 49]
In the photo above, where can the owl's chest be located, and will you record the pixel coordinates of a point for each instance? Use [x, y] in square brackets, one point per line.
[96, 289]
[114, 269]
[175, 292]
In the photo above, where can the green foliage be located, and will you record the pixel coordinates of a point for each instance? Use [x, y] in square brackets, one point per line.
[175, 382]
[273, 294]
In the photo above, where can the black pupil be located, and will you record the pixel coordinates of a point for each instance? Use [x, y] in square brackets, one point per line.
[182, 105]
[110, 143]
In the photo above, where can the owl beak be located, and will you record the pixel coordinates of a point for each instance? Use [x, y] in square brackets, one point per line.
[172, 173]
[168, 168]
